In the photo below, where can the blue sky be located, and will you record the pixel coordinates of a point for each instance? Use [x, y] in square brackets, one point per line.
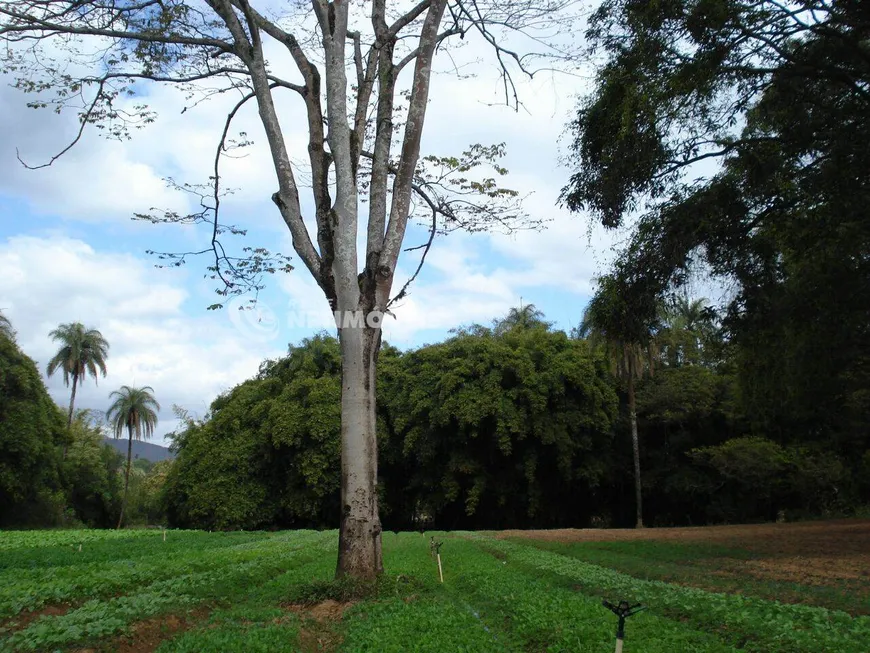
[70, 251]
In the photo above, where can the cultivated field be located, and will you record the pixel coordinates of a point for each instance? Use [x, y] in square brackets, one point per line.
[801, 587]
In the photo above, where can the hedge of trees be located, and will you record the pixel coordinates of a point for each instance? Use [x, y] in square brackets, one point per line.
[516, 425]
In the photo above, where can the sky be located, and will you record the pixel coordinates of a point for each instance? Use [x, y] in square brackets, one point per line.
[69, 250]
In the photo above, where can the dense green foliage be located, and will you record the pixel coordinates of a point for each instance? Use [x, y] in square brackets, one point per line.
[495, 428]
[268, 453]
[514, 425]
[217, 592]
[739, 130]
[91, 472]
[31, 433]
[39, 485]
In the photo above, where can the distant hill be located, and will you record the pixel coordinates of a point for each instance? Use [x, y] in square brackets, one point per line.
[145, 450]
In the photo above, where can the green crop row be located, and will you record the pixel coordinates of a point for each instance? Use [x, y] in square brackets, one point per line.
[117, 548]
[37, 539]
[751, 623]
[545, 617]
[22, 589]
[263, 593]
[226, 577]
[258, 620]
[415, 612]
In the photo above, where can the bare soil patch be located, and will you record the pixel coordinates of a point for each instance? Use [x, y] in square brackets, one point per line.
[328, 610]
[23, 619]
[847, 537]
[823, 553]
[317, 630]
[145, 636]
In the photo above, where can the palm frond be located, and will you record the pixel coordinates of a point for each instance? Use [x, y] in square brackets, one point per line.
[134, 409]
[82, 352]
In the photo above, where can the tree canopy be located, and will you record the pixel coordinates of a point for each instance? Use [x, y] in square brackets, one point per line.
[500, 427]
[733, 132]
[82, 352]
[38, 485]
[31, 432]
[268, 451]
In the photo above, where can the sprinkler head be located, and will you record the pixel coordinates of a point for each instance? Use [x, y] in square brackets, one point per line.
[623, 610]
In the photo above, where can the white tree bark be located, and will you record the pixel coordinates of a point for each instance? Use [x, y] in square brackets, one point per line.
[366, 294]
[359, 548]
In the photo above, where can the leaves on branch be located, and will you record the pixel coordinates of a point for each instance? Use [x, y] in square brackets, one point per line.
[777, 97]
[237, 274]
[98, 58]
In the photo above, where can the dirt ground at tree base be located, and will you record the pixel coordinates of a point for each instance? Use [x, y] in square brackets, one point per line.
[315, 634]
[815, 553]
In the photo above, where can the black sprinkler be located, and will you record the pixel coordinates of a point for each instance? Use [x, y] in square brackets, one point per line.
[622, 610]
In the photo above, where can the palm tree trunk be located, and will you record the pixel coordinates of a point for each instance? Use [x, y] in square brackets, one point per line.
[126, 474]
[632, 414]
[72, 403]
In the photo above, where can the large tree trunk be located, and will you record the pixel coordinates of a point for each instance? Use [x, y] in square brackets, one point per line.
[635, 445]
[126, 475]
[359, 543]
[72, 404]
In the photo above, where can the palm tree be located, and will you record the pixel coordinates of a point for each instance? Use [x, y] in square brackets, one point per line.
[685, 326]
[610, 323]
[524, 317]
[136, 410]
[82, 352]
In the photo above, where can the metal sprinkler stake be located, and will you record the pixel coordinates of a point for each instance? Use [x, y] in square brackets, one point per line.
[435, 548]
[623, 610]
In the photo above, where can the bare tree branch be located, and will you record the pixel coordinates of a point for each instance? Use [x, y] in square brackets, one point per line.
[411, 146]
[425, 247]
[28, 22]
[83, 121]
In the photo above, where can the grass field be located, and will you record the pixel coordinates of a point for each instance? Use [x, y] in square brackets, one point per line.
[801, 587]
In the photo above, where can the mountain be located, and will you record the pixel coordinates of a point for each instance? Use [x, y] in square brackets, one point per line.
[146, 450]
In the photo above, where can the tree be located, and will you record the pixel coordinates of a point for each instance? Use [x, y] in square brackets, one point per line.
[153, 501]
[82, 352]
[136, 410]
[679, 409]
[31, 428]
[738, 129]
[523, 317]
[502, 427]
[685, 330]
[91, 474]
[267, 453]
[620, 329]
[229, 44]
[508, 426]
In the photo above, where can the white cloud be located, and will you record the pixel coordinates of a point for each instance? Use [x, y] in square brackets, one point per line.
[95, 181]
[187, 360]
